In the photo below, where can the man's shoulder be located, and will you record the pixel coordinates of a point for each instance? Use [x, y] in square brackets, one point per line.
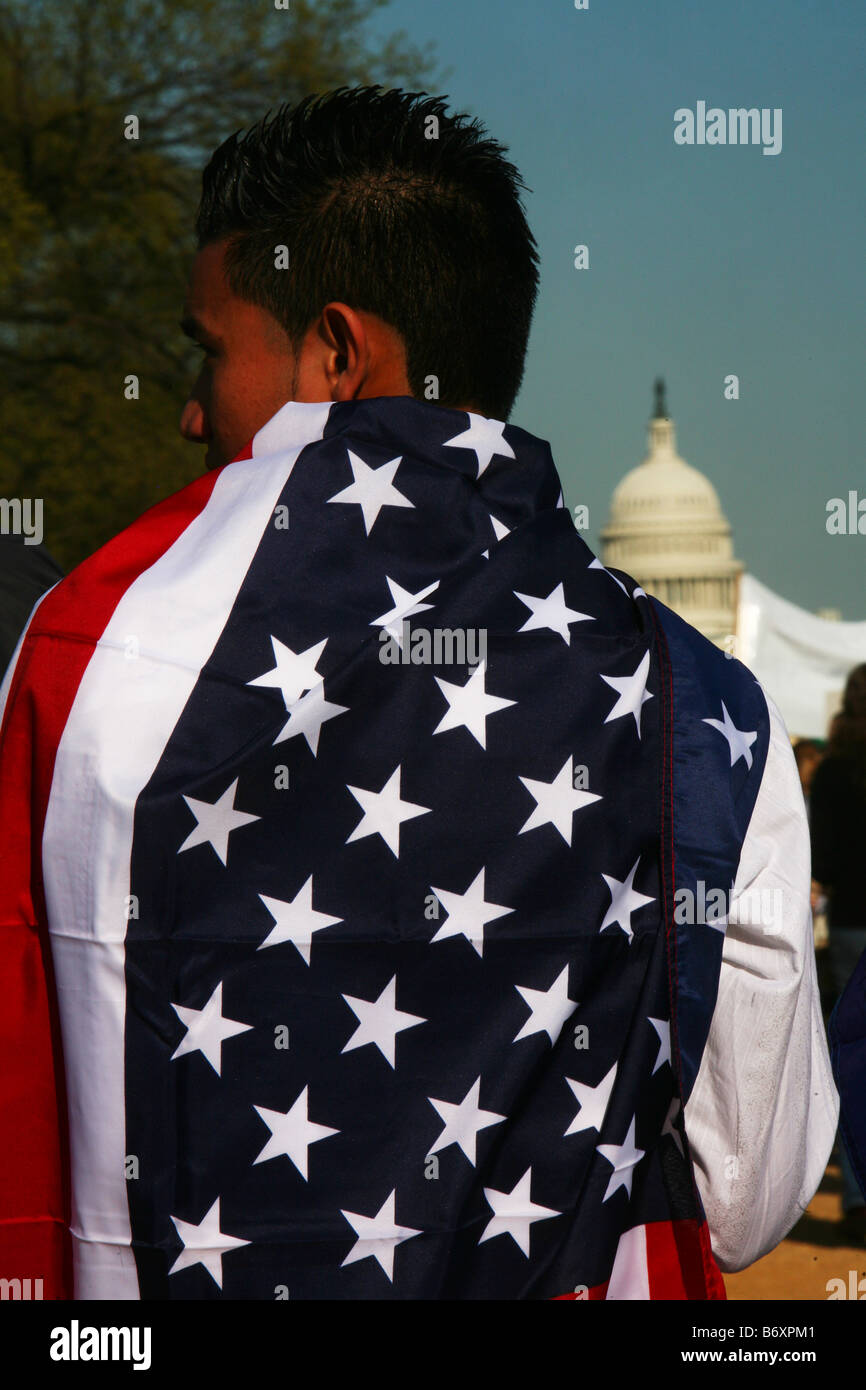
[80, 604]
[707, 669]
[724, 732]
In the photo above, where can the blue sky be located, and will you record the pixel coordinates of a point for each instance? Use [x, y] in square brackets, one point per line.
[704, 261]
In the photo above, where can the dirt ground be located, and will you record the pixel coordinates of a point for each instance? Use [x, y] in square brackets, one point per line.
[799, 1268]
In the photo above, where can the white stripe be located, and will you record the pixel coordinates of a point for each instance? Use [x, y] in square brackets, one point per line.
[122, 716]
[629, 1278]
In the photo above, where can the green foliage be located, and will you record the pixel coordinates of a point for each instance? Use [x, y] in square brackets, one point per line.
[96, 230]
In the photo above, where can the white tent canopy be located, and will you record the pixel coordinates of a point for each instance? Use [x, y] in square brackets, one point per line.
[801, 660]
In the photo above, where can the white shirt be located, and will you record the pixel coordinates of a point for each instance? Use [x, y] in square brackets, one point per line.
[762, 1116]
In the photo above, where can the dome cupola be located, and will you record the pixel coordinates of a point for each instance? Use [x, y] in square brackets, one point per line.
[666, 528]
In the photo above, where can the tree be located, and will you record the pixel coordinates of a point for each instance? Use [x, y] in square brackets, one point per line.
[96, 227]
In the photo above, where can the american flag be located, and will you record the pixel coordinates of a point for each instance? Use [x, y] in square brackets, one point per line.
[366, 971]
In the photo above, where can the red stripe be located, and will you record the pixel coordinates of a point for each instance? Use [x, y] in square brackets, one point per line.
[34, 1166]
[712, 1273]
[676, 1261]
[678, 1253]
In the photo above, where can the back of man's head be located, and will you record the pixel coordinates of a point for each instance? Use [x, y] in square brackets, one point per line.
[391, 205]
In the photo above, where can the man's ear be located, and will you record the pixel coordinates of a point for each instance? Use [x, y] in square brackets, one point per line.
[346, 362]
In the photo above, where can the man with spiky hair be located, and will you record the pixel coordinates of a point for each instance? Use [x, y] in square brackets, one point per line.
[407, 266]
[373, 978]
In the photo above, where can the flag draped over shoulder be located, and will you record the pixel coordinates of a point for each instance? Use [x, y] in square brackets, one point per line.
[348, 797]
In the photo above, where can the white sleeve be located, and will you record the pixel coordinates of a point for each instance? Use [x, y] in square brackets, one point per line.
[762, 1116]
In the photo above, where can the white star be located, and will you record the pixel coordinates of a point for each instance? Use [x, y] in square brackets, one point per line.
[379, 1021]
[663, 1028]
[469, 705]
[500, 530]
[468, 913]
[593, 1102]
[739, 741]
[550, 1008]
[206, 1029]
[624, 900]
[296, 921]
[372, 489]
[406, 605]
[556, 801]
[292, 1132]
[463, 1121]
[632, 692]
[551, 612]
[205, 1244]
[384, 812]
[215, 822]
[624, 1158]
[597, 565]
[514, 1213]
[669, 1127]
[308, 715]
[485, 437]
[294, 672]
[378, 1236]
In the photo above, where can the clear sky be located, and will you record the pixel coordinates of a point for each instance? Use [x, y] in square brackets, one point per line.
[704, 261]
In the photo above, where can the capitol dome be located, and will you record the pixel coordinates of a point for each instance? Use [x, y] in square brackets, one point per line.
[667, 529]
